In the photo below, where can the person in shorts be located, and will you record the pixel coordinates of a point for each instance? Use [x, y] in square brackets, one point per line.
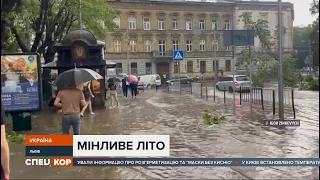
[113, 93]
[87, 95]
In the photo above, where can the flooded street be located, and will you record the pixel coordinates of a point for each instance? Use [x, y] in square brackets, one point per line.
[180, 116]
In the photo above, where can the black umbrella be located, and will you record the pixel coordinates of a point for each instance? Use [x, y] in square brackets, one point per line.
[76, 76]
[113, 80]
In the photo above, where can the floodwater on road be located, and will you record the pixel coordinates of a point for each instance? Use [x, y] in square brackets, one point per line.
[240, 136]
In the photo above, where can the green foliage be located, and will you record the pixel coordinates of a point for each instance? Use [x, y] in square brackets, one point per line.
[266, 58]
[301, 37]
[14, 137]
[211, 116]
[309, 83]
[51, 20]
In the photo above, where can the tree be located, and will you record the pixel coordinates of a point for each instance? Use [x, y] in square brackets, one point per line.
[48, 21]
[8, 7]
[315, 33]
[266, 58]
[301, 36]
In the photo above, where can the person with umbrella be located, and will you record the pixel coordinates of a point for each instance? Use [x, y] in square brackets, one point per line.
[133, 85]
[125, 86]
[70, 99]
[87, 96]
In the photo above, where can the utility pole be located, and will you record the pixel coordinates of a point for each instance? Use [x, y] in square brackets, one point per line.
[310, 55]
[80, 16]
[280, 85]
[128, 51]
[215, 53]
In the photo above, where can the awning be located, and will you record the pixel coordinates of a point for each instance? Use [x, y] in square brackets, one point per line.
[54, 65]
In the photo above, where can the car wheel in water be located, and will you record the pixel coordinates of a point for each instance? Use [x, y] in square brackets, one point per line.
[217, 87]
[230, 90]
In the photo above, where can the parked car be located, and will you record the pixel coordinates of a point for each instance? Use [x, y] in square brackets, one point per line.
[122, 75]
[150, 80]
[184, 79]
[226, 83]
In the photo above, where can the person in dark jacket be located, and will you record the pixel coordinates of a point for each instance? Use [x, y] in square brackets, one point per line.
[125, 87]
[134, 89]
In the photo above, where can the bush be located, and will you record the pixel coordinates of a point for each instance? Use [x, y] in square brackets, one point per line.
[16, 138]
[211, 117]
[309, 83]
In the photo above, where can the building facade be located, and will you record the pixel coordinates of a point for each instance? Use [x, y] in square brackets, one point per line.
[149, 31]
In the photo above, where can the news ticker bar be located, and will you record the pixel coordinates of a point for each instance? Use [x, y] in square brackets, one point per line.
[68, 162]
[282, 122]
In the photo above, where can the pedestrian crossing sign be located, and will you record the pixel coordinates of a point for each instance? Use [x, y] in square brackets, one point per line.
[178, 55]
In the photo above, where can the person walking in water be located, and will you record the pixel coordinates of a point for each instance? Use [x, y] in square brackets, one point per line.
[87, 95]
[113, 93]
[70, 100]
[134, 90]
[125, 87]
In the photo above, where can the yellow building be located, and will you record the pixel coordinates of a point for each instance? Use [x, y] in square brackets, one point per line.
[149, 31]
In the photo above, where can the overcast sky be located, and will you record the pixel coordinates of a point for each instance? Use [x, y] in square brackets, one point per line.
[301, 11]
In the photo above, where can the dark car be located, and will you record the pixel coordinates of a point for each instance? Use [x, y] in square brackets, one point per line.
[184, 79]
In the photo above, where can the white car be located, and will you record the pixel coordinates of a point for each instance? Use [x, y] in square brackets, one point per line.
[150, 80]
[226, 83]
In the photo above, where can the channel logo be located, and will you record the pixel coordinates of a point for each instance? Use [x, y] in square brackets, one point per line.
[57, 162]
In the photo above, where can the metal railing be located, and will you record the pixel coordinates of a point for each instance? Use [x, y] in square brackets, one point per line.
[264, 97]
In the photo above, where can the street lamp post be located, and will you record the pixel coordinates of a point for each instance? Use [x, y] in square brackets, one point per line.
[80, 15]
[280, 85]
[128, 51]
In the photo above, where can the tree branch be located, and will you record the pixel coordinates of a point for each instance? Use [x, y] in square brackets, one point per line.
[21, 44]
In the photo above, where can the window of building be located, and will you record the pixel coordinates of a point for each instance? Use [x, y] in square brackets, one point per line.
[203, 66]
[189, 45]
[162, 47]
[160, 24]
[118, 68]
[227, 25]
[175, 44]
[227, 48]
[176, 67]
[146, 23]
[202, 25]
[148, 68]
[147, 45]
[215, 45]
[214, 25]
[132, 23]
[132, 46]
[116, 21]
[175, 25]
[215, 66]
[228, 65]
[188, 25]
[134, 68]
[189, 66]
[202, 44]
[117, 45]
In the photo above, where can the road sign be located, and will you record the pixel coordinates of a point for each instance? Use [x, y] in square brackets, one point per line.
[238, 38]
[178, 55]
